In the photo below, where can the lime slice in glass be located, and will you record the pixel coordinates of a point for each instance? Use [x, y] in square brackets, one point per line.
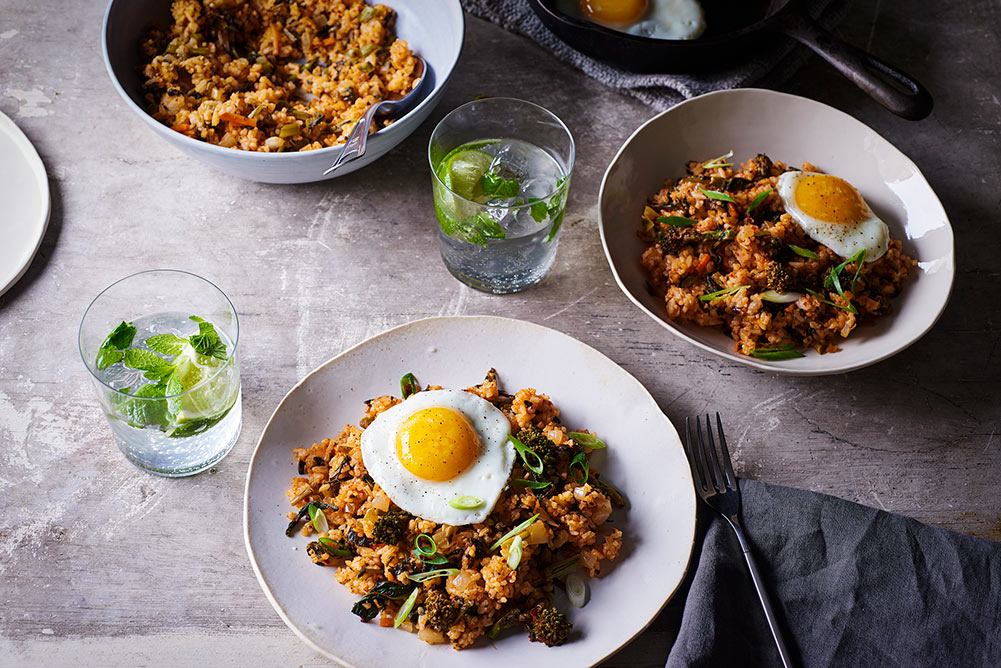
[462, 173]
[202, 403]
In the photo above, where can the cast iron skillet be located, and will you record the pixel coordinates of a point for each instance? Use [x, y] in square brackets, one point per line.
[734, 29]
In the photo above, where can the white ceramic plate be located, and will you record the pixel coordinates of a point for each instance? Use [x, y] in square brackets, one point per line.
[794, 130]
[24, 197]
[645, 459]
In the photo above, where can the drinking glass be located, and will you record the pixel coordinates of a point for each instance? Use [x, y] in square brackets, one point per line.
[501, 172]
[161, 348]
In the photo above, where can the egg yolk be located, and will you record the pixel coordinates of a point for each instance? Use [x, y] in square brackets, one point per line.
[830, 199]
[436, 444]
[614, 12]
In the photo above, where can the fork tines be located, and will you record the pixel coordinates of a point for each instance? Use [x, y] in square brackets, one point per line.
[712, 470]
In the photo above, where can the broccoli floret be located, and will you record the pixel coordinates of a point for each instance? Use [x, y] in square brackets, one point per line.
[391, 527]
[440, 610]
[778, 277]
[548, 625]
[535, 440]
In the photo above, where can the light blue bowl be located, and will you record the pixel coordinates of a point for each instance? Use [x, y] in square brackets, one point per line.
[434, 30]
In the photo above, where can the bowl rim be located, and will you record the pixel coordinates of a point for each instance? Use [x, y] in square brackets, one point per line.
[745, 360]
[197, 144]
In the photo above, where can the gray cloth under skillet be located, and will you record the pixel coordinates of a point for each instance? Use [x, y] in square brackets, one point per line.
[775, 59]
[857, 587]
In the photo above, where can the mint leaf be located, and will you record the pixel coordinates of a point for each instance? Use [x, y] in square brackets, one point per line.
[120, 338]
[495, 185]
[539, 210]
[173, 389]
[145, 412]
[207, 341]
[192, 427]
[144, 360]
[167, 344]
[151, 390]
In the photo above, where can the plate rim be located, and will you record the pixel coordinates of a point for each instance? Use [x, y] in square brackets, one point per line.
[689, 536]
[9, 127]
[762, 365]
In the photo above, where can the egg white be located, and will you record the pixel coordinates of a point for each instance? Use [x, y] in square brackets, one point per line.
[485, 478]
[845, 239]
[663, 19]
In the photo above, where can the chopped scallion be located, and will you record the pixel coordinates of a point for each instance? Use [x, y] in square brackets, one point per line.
[405, 609]
[779, 353]
[580, 473]
[319, 519]
[721, 161]
[715, 194]
[850, 308]
[758, 199]
[429, 549]
[803, 252]
[466, 503]
[288, 130]
[576, 589]
[531, 484]
[431, 575]
[333, 547]
[408, 385]
[780, 297]
[719, 294]
[515, 531]
[589, 441]
[514, 553]
[526, 453]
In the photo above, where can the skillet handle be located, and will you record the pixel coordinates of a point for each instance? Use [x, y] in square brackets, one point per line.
[913, 103]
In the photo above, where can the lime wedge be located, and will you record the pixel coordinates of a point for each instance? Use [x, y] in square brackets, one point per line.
[463, 173]
[209, 400]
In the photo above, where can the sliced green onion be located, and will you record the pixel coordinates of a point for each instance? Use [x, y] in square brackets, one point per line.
[758, 199]
[405, 609]
[850, 308]
[719, 162]
[713, 296]
[288, 130]
[514, 553]
[561, 568]
[256, 111]
[576, 590]
[677, 221]
[531, 484]
[515, 531]
[803, 252]
[333, 547]
[580, 461]
[319, 519]
[780, 353]
[408, 385]
[435, 560]
[302, 115]
[589, 441]
[858, 267]
[715, 194]
[431, 575]
[780, 297]
[525, 452]
[466, 503]
[429, 551]
[366, 14]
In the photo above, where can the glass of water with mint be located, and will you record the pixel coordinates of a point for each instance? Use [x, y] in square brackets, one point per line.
[161, 347]
[501, 172]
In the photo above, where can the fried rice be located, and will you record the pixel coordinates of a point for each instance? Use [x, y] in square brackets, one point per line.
[484, 594]
[270, 75]
[715, 270]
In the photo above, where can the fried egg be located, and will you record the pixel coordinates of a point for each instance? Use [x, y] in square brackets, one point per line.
[437, 446]
[832, 212]
[659, 19]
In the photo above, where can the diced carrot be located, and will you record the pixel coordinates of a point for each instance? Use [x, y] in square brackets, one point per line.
[385, 619]
[237, 119]
[183, 128]
[703, 261]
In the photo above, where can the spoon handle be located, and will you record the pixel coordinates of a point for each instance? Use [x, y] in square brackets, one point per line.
[354, 147]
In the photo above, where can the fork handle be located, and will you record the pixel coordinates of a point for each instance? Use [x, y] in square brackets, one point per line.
[759, 585]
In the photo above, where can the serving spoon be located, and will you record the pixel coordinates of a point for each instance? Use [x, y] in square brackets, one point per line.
[354, 147]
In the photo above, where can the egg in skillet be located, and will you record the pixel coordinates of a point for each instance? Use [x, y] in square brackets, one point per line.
[436, 447]
[832, 212]
[659, 19]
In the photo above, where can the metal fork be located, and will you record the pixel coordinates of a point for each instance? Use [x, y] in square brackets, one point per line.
[718, 487]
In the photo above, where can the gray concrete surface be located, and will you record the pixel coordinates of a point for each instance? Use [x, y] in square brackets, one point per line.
[101, 564]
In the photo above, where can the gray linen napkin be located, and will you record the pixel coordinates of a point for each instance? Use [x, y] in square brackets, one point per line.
[855, 586]
[775, 61]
